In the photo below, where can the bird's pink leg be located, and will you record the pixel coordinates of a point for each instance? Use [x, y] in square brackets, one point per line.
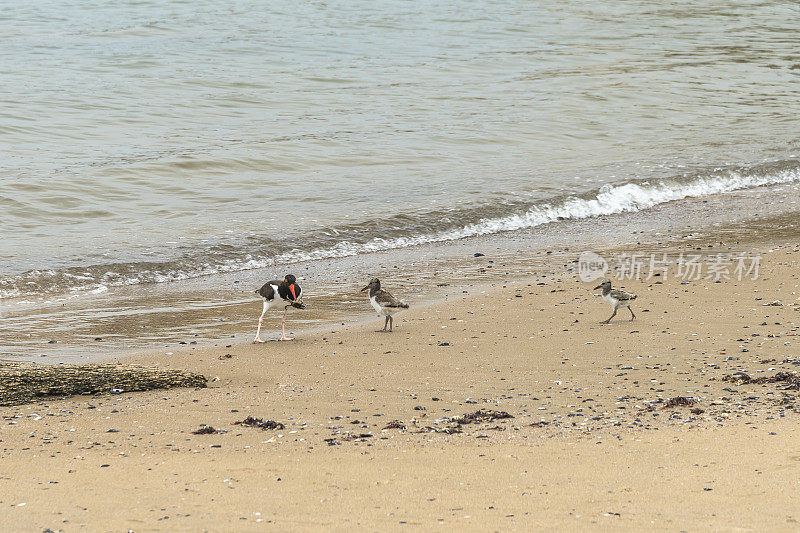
[283, 327]
[260, 320]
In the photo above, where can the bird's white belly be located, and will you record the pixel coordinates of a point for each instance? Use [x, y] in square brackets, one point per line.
[382, 311]
[613, 302]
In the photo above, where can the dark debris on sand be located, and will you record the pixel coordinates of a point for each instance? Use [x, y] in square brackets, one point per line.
[348, 437]
[676, 401]
[453, 424]
[479, 416]
[260, 423]
[395, 424]
[25, 382]
[207, 430]
[792, 381]
[679, 401]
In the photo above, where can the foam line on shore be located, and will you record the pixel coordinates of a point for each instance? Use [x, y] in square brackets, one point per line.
[608, 200]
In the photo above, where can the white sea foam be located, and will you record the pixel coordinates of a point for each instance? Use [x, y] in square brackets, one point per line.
[609, 200]
[99, 290]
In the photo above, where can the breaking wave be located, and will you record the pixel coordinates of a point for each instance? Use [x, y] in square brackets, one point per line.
[400, 232]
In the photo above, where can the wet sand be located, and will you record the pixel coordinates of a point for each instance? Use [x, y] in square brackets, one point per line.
[595, 440]
[74, 328]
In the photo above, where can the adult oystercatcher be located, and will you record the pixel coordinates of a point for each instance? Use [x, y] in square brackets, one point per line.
[289, 291]
[383, 302]
[616, 298]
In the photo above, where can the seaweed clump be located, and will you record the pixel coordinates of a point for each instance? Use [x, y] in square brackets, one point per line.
[25, 382]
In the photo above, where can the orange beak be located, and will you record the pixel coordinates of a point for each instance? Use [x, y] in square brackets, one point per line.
[291, 288]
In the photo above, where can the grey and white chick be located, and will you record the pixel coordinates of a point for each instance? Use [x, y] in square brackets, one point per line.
[616, 298]
[383, 302]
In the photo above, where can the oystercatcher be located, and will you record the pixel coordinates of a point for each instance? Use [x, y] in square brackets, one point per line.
[289, 291]
[383, 302]
[616, 298]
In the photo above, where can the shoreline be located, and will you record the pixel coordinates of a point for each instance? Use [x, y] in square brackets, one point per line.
[374, 432]
[221, 308]
[496, 166]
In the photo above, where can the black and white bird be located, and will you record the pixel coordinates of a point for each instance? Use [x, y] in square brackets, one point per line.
[616, 298]
[383, 302]
[287, 290]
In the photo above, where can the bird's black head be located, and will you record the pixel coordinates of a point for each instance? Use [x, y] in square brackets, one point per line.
[294, 289]
[374, 284]
[605, 285]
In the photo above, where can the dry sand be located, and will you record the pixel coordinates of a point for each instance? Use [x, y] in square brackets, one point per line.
[592, 443]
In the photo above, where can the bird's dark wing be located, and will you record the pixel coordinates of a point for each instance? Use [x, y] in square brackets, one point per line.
[266, 291]
[385, 299]
[622, 295]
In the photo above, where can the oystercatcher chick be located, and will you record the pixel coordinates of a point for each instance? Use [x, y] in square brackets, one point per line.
[616, 298]
[287, 290]
[384, 303]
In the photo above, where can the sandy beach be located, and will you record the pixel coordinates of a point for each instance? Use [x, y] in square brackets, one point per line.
[626, 426]
[490, 163]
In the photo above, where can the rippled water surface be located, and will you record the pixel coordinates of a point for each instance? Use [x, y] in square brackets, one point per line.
[153, 141]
